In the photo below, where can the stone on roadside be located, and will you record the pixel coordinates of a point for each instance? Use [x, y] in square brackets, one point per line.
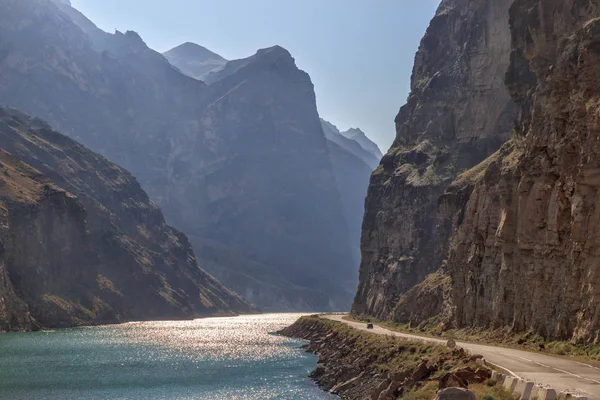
[450, 380]
[455, 394]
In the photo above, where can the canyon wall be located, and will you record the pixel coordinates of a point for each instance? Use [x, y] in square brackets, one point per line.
[458, 113]
[526, 251]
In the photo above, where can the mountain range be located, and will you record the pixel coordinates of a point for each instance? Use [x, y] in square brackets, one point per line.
[237, 161]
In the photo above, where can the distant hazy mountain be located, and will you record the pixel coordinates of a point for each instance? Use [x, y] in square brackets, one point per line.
[359, 136]
[194, 60]
[241, 165]
[333, 134]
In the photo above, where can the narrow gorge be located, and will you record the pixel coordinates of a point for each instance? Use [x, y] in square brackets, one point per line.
[511, 242]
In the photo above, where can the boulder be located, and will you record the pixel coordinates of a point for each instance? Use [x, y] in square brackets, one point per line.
[392, 392]
[483, 374]
[382, 386]
[455, 394]
[468, 375]
[450, 380]
[421, 371]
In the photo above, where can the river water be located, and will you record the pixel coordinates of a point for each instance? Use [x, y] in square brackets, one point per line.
[216, 358]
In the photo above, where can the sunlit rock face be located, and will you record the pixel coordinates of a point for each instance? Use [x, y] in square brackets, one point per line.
[525, 254]
[458, 113]
[240, 165]
[83, 244]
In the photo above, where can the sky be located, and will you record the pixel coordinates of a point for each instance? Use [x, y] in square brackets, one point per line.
[359, 53]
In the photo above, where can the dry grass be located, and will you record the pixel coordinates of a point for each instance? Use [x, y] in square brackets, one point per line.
[502, 338]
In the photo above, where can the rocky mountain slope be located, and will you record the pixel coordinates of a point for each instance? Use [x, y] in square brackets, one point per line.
[352, 167]
[81, 243]
[240, 165]
[458, 113]
[333, 134]
[515, 236]
[361, 138]
[194, 60]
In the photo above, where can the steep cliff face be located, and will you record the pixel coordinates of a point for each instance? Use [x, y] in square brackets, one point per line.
[458, 113]
[526, 251]
[241, 166]
[82, 243]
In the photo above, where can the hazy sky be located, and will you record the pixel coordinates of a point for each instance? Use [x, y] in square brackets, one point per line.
[359, 53]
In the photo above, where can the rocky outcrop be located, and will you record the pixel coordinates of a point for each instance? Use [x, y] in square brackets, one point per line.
[240, 165]
[458, 113]
[359, 365]
[194, 60]
[525, 254]
[81, 243]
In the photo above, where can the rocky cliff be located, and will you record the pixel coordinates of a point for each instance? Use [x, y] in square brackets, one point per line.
[525, 254]
[458, 113]
[81, 243]
[240, 165]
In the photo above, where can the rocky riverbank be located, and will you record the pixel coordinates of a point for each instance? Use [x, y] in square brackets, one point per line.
[360, 365]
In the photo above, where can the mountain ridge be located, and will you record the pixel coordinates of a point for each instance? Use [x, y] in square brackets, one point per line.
[239, 165]
[83, 244]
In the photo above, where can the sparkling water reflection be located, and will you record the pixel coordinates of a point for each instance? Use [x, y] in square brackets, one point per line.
[217, 358]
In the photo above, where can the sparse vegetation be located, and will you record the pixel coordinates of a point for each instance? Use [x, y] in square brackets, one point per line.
[501, 337]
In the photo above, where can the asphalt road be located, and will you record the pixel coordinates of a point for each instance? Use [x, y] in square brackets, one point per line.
[560, 373]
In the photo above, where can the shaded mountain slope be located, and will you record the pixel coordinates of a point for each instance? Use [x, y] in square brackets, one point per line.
[241, 166]
[333, 134]
[83, 243]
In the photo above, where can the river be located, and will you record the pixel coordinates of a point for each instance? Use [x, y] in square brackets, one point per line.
[215, 358]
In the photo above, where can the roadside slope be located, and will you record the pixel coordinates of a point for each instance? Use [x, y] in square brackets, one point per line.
[560, 373]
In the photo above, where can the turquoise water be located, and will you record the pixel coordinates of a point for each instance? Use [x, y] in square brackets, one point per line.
[217, 358]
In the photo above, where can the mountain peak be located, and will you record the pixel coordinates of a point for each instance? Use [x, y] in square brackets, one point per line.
[195, 51]
[359, 136]
[275, 53]
[194, 60]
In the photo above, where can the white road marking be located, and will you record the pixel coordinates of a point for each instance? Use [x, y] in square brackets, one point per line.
[569, 373]
[587, 365]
